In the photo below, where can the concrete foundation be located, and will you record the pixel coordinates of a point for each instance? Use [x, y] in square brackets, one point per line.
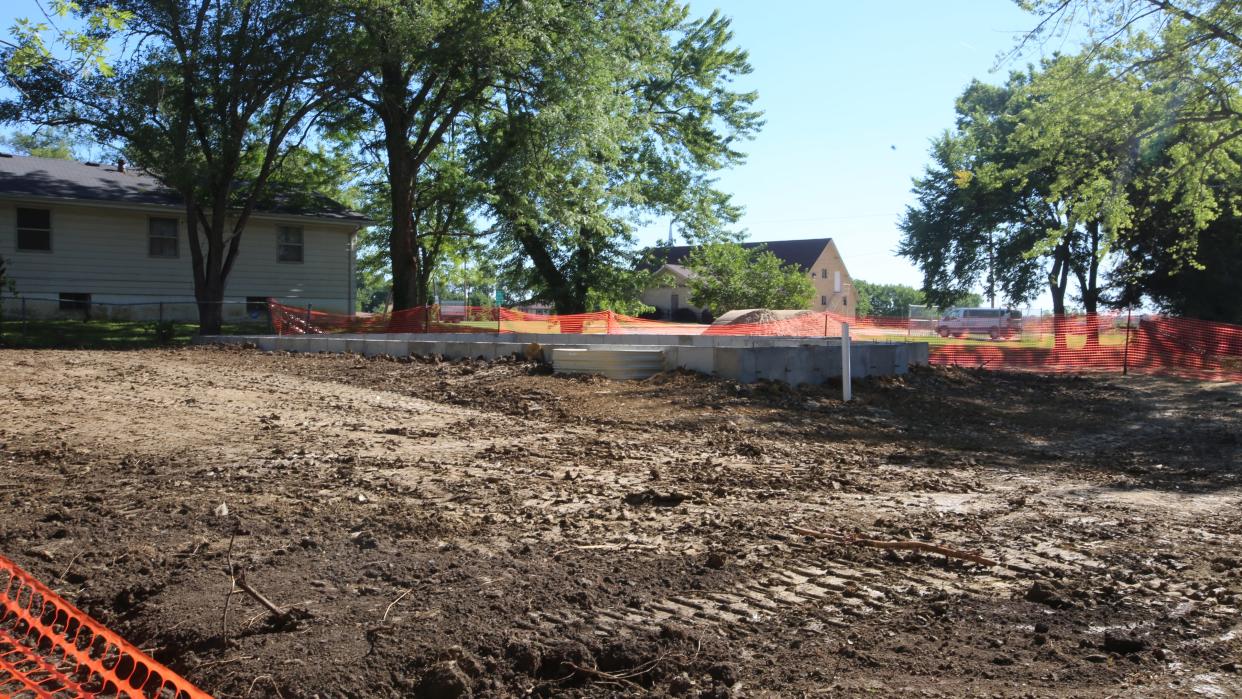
[744, 359]
[613, 363]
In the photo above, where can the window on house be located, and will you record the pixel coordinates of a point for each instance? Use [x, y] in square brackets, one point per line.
[75, 302]
[836, 282]
[289, 244]
[34, 229]
[823, 300]
[823, 273]
[162, 237]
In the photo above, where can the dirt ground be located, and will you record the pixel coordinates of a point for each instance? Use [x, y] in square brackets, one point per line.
[472, 529]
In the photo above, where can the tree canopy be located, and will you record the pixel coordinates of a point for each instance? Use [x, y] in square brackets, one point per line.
[728, 277]
[626, 118]
[553, 128]
[887, 300]
[209, 96]
[1062, 169]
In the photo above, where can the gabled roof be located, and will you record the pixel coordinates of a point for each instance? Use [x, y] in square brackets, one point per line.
[680, 271]
[803, 253]
[49, 178]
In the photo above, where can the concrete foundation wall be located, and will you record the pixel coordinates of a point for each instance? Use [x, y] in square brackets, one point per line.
[743, 359]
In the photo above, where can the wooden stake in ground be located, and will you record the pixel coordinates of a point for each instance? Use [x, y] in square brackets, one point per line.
[904, 545]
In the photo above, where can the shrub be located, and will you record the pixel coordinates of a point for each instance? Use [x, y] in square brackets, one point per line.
[164, 331]
[685, 315]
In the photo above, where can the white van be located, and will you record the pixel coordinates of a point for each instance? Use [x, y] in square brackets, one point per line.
[995, 322]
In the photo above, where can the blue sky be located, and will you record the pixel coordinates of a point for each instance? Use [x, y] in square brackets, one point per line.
[852, 92]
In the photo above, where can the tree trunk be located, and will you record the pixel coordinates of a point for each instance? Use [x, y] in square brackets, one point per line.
[401, 250]
[210, 270]
[1091, 289]
[560, 291]
[211, 315]
[1058, 280]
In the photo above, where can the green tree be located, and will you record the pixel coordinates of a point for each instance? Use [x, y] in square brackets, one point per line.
[1210, 288]
[59, 144]
[963, 233]
[728, 277]
[626, 116]
[1155, 88]
[423, 66]
[1039, 180]
[888, 300]
[209, 99]
[1193, 47]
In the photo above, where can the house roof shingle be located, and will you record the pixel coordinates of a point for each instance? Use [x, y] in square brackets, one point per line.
[27, 176]
[803, 253]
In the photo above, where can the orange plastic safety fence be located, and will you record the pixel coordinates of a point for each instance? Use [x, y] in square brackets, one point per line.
[1095, 342]
[49, 649]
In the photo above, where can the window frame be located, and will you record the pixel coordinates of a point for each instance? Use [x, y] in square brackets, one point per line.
[17, 229]
[176, 237]
[301, 244]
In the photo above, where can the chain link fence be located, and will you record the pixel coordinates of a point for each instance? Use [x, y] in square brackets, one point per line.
[78, 321]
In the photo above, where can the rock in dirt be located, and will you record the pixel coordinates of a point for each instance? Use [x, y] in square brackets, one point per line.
[1046, 595]
[724, 673]
[444, 681]
[1124, 645]
[681, 684]
[652, 497]
[560, 660]
[716, 560]
[525, 656]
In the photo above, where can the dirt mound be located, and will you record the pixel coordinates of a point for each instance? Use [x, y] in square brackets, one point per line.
[750, 316]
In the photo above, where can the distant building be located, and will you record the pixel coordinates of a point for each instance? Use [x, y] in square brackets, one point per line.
[75, 235]
[818, 257]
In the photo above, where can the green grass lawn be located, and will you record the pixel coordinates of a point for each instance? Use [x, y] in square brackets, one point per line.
[1029, 341]
[107, 334]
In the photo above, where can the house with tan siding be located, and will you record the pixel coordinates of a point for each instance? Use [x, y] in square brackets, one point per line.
[817, 257]
[83, 235]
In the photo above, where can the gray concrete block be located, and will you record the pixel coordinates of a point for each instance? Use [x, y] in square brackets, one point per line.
[390, 348]
[741, 358]
[615, 363]
[700, 359]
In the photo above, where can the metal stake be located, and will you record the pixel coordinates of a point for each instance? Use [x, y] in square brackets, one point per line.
[847, 388]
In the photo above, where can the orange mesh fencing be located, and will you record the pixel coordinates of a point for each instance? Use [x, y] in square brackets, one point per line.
[1111, 342]
[49, 649]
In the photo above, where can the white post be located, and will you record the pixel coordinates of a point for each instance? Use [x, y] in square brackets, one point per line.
[847, 389]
